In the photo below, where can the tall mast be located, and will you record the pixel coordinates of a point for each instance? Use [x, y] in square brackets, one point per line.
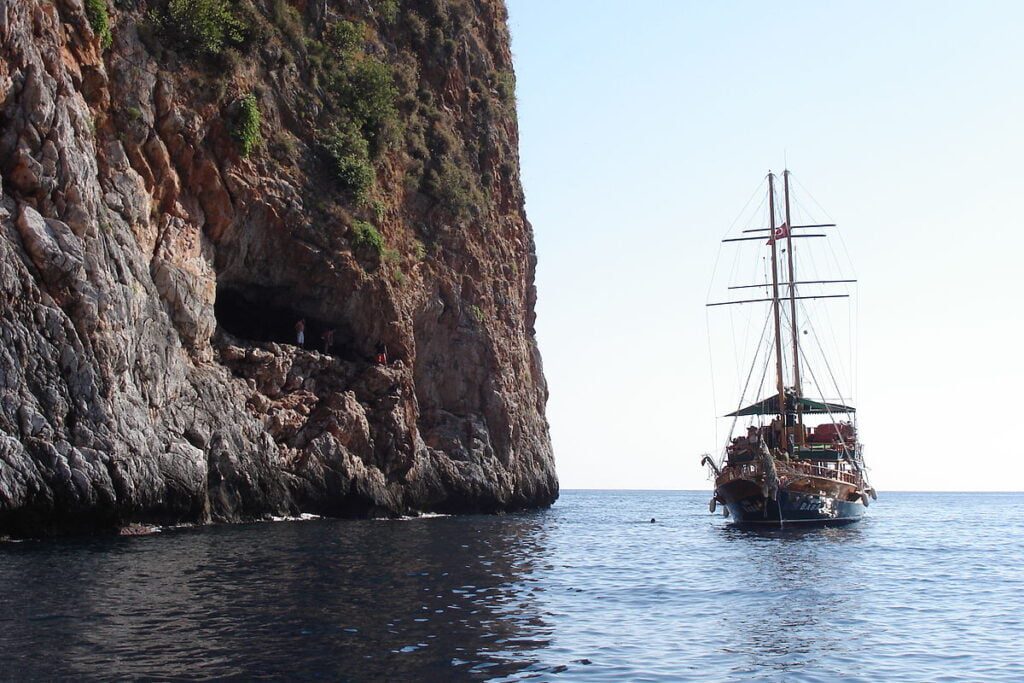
[792, 307]
[775, 302]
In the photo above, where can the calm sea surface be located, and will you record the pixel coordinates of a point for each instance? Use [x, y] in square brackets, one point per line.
[929, 587]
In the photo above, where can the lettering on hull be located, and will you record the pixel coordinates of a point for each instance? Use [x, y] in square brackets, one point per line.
[794, 508]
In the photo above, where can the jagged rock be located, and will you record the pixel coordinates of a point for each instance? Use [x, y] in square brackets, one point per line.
[150, 278]
[53, 248]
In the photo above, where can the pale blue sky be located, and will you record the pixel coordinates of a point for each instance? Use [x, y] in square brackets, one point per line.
[645, 126]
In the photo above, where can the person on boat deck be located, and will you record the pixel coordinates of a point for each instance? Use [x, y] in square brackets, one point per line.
[752, 437]
[300, 332]
[776, 433]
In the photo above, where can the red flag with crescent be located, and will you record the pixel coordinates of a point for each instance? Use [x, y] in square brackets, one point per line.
[781, 232]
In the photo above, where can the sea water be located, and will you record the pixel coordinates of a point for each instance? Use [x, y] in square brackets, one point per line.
[928, 587]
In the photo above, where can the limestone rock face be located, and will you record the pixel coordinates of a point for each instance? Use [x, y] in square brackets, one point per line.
[151, 275]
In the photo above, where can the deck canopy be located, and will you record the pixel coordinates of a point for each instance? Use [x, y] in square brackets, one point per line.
[770, 406]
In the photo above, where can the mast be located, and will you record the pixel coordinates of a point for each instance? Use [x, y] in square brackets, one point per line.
[792, 309]
[775, 305]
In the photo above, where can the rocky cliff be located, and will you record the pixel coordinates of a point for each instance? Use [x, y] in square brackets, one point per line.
[182, 182]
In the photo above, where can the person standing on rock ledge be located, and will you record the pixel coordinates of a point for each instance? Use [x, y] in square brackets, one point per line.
[300, 333]
[328, 339]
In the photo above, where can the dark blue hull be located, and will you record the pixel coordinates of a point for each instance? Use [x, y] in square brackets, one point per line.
[793, 507]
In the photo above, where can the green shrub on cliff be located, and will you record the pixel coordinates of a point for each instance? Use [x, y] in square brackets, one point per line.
[289, 20]
[505, 84]
[374, 91]
[99, 20]
[417, 29]
[419, 250]
[387, 10]
[453, 186]
[360, 98]
[365, 93]
[205, 26]
[247, 125]
[350, 155]
[344, 36]
[365, 235]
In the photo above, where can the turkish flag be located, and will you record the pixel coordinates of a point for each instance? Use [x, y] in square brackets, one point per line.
[781, 232]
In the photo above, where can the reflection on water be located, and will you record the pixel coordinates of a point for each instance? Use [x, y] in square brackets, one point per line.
[366, 600]
[925, 588]
[802, 593]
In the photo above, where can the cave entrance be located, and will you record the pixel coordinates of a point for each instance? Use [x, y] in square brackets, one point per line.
[255, 313]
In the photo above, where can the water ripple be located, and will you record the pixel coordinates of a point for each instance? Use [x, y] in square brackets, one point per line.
[929, 587]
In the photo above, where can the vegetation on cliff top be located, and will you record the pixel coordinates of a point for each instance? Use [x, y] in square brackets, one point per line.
[368, 101]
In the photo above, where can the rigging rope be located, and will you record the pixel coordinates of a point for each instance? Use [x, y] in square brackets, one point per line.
[839, 232]
[707, 323]
[714, 270]
[834, 350]
[743, 394]
[711, 367]
[828, 366]
[853, 327]
[839, 432]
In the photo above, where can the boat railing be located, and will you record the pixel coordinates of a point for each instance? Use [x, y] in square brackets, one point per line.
[790, 469]
[800, 468]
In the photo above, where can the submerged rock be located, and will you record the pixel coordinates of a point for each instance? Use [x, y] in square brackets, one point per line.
[151, 275]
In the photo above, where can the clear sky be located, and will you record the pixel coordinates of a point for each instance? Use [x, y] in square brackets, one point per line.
[645, 127]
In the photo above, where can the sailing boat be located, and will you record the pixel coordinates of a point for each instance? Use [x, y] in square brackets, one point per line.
[800, 460]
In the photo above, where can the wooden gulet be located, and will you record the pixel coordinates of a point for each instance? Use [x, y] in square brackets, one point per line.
[790, 472]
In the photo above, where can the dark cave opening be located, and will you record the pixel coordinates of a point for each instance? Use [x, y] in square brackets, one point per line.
[255, 314]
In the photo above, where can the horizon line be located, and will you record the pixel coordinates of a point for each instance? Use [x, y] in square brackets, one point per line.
[708, 490]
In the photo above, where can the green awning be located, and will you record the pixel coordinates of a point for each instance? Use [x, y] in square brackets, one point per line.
[770, 406]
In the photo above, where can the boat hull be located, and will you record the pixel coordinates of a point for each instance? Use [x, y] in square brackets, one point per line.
[791, 507]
